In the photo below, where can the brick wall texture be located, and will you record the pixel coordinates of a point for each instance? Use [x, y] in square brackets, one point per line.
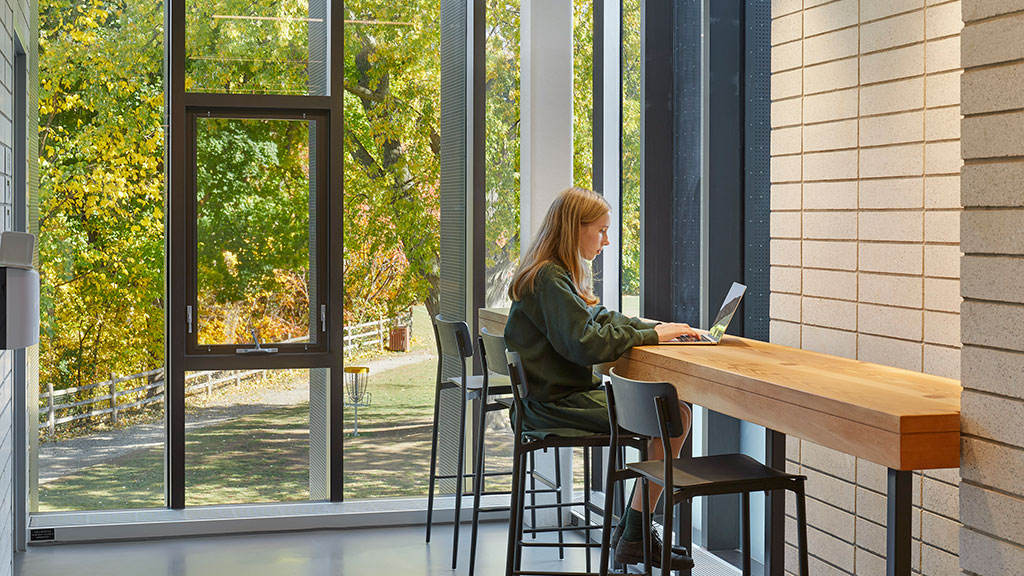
[992, 421]
[865, 226]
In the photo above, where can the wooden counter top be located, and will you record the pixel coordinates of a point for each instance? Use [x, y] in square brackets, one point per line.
[898, 418]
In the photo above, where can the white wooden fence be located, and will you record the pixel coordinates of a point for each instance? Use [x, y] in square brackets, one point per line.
[114, 401]
[359, 336]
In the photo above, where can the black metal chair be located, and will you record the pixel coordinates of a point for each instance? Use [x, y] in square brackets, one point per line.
[490, 346]
[454, 342]
[526, 442]
[648, 409]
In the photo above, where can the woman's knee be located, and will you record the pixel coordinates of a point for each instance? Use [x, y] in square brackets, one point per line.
[686, 416]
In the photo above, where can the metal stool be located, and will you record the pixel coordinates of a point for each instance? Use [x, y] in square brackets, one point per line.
[524, 444]
[454, 342]
[648, 409]
[493, 347]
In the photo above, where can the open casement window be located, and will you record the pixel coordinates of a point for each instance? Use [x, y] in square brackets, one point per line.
[257, 272]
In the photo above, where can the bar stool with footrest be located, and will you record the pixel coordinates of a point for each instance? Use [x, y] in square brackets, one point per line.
[648, 409]
[526, 442]
[454, 342]
[492, 356]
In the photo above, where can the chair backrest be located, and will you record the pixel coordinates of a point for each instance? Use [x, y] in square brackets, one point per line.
[518, 377]
[492, 352]
[453, 338]
[633, 405]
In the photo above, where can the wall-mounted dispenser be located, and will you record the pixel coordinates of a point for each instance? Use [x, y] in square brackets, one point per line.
[19, 291]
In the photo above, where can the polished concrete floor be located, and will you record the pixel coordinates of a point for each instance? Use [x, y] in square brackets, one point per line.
[383, 551]
[364, 552]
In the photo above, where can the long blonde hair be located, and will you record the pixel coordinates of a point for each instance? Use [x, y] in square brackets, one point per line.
[558, 241]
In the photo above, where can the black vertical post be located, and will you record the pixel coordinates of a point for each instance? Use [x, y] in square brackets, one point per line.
[757, 159]
[597, 123]
[725, 164]
[688, 140]
[478, 287]
[336, 330]
[656, 158]
[478, 290]
[597, 146]
[175, 290]
[775, 512]
[898, 526]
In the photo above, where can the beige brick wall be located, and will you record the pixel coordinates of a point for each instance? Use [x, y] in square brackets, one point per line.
[866, 239]
[992, 459]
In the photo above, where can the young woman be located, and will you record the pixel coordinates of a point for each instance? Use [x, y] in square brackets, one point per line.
[560, 331]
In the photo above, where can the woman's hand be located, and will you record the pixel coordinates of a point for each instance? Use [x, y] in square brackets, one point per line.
[672, 330]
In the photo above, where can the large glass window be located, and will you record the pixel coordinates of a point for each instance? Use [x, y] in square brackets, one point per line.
[632, 145]
[101, 250]
[502, 148]
[256, 233]
[392, 241]
[248, 437]
[583, 93]
[263, 47]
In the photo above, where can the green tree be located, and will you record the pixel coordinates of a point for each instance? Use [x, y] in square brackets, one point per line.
[101, 188]
[501, 147]
[392, 146]
[631, 147]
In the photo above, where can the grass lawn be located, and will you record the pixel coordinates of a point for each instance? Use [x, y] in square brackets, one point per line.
[264, 457]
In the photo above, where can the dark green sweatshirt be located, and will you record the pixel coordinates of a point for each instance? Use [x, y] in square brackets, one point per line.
[559, 337]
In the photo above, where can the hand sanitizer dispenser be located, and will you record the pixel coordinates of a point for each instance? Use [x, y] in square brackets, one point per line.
[19, 292]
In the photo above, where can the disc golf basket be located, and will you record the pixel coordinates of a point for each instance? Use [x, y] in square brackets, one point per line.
[357, 384]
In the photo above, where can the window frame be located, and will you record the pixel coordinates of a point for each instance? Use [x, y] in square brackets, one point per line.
[178, 358]
[225, 352]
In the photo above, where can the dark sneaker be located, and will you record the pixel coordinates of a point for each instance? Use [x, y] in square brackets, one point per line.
[627, 552]
[681, 550]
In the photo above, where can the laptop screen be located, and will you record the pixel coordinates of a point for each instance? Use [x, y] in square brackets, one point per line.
[732, 301]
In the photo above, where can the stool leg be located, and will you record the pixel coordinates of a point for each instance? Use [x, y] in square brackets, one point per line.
[558, 500]
[515, 505]
[519, 524]
[801, 527]
[645, 518]
[666, 541]
[460, 480]
[533, 494]
[478, 485]
[586, 500]
[433, 456]
[606, 525]
[684, 532]
[745, 506]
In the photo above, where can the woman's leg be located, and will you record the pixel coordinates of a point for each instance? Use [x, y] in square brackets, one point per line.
[656, 452]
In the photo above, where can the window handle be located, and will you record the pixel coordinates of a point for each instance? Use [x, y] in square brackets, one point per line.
[259, 349]
[256, 350]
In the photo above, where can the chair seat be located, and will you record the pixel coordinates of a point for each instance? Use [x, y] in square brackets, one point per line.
[497, 385]
[720, 474]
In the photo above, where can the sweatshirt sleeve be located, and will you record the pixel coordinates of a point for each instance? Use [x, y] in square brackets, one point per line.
[572, 328]
[602, 315]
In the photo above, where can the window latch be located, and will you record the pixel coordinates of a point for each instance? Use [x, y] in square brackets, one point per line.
[323, 317]
[258, 349]
[188, 319]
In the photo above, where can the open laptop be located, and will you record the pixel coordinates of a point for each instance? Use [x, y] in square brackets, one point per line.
[725, 314]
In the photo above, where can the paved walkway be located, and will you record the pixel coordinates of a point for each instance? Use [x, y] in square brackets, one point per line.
[58, 459]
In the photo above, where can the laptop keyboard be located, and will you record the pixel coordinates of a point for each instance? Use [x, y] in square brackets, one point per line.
[689, 338]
